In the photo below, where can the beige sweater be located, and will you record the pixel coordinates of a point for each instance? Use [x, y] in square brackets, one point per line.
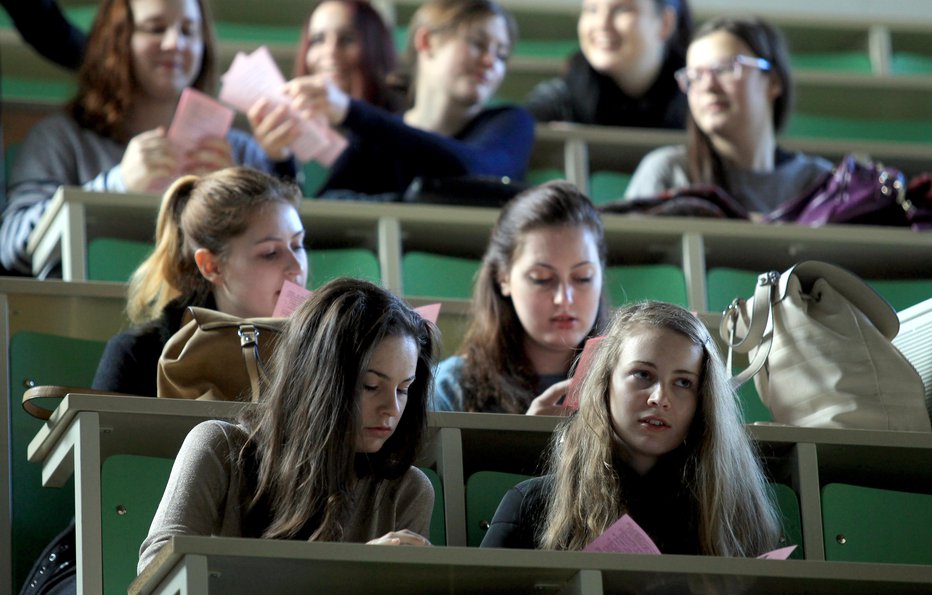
[205, 495]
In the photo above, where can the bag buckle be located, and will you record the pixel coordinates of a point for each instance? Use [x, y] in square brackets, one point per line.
[248, 335]
[769, 279]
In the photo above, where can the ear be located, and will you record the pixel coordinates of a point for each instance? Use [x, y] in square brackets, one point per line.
[668, 24]
[774, 86]
[208, 264]
[423, 41]
[504, 284]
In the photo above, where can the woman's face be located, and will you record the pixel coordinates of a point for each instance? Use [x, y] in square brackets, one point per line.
[615, 35]
[384, 392]
[736, 102]
[653, 394]
[167, 46]
[469, 65]
[555, 285]
[335, 47]
[249, 277]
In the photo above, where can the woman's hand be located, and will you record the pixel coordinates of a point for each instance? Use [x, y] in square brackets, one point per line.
[403, 537]
[274, 128]
[210, 155]
[546, 402]
[317, 95]
[149, 158]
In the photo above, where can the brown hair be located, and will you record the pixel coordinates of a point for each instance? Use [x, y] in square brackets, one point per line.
[199, 212]
[303, 433]
[766, 41]
[378, 59]
[497, 376]
[106, 80]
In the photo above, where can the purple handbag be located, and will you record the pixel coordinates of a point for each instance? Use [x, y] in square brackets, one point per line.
[855, 192]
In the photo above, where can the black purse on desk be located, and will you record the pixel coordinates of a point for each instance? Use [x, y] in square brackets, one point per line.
[471, 191]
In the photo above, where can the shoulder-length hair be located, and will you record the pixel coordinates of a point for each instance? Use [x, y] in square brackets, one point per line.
[106, 80]
[378, 58]
[704, 165]
[199, 212]
[304, 431]
[722, 471]
[497, 376]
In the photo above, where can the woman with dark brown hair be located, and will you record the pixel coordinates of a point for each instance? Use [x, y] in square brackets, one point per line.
[537, 298]
[327, 453]
[112, 137]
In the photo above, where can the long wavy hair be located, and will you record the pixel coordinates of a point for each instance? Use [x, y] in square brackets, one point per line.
[107, 82]
[303, 433]
[704, 165]
[497, 376]
[199, 212]
[378, 58]
[722, 471]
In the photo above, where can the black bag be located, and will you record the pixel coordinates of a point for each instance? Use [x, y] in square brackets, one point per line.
[694, 201]
[474, 191]
[55, 571]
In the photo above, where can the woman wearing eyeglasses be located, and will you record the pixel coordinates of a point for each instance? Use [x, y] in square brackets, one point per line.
[739, 87]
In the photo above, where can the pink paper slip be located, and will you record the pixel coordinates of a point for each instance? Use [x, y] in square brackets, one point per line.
[624, 536]
[779, 554]
[430, 312]
[197, 117]
[290, 299]
[572, 393]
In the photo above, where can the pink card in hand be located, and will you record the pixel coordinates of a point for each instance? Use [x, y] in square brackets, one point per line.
[572, 393]
[290, 299]
[779, 554]
[430, 312]
[624, 536]
[197, 117]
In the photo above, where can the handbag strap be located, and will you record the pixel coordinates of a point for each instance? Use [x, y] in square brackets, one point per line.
[52, 391]
[765, 294]
[249, 341]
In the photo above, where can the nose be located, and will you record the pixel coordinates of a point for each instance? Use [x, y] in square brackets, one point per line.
[658, 397]
[171, 38]
[563, 294]
[391, 405]
[296, 265]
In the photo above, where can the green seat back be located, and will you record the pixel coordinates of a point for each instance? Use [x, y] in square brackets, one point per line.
[870, 525]
[832, 61]
[434, 275]
[438, 526]
[110, 259]
[903, 293]
[557, 49]
[315, 175]
[131, 488]
[910, 63]
[484, 492]
[38, 514]
[752, 407]
[536, 177]
[327, 264]
[792, 534]
[606, 186]
[805, 125]
[626, 284]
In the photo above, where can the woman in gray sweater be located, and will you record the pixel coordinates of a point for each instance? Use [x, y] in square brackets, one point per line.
[327, 454]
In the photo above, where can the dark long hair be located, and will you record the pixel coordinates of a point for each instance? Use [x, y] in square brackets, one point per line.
[497, 376]
[303, 433]
[106, 80]
[378, 60]
[704, 165]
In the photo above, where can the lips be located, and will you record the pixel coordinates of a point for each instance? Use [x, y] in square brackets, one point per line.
[380, 431]
[564, 321]
[653, 422]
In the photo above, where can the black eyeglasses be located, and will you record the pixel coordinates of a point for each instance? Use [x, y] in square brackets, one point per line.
[725, 72]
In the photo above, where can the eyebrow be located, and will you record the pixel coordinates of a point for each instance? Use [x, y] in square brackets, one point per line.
[384, 376]
[279, 239]
[652, 365]
[575, 266]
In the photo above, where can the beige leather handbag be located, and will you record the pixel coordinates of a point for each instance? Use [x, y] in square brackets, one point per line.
[217, 357]
[819, 342]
